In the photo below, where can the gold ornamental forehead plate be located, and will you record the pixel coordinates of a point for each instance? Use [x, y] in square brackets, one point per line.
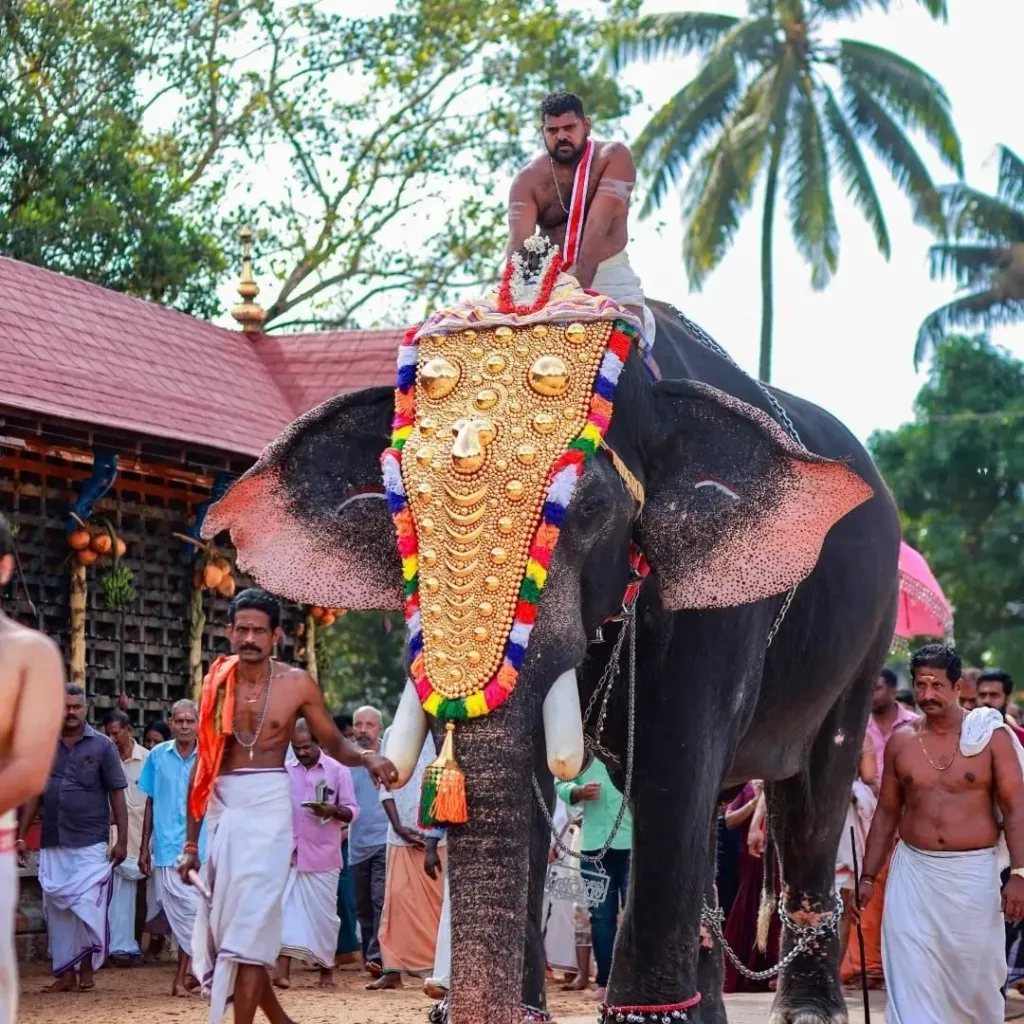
[476, 465]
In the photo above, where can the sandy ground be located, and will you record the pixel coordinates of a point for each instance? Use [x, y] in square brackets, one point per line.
[140, 995]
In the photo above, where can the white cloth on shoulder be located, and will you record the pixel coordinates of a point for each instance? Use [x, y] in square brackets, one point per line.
[859, 813]
[121, 915]
[978, 728]
[619, 281]
[8, 908]
[250, 843]
[180, 904]
[942, 938]
[311, 922]
[77, 885]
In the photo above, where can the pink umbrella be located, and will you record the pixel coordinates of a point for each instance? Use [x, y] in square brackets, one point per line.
[923, 608]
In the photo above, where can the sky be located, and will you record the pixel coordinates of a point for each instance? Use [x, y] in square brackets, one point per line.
[850, 347]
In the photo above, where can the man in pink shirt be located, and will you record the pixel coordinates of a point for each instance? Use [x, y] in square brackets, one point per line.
[887, 715]
[323, 801]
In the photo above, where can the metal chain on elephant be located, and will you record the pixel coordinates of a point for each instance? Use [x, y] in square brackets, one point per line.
[629, 626]
[806, 935]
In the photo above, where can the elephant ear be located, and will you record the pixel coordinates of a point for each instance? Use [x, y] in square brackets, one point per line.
[310, 520]
[736, 510]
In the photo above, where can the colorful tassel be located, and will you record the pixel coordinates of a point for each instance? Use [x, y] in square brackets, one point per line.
[443, 797]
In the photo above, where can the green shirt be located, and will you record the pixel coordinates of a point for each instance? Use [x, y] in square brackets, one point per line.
[599, 815]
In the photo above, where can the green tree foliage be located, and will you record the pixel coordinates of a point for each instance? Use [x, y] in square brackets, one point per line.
[366, 149]
[360, 660]
[774, 102]
[957, 472]
[83, 189]
[985, 258]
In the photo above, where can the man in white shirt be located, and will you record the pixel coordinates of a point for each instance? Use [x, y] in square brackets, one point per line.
[124, 946]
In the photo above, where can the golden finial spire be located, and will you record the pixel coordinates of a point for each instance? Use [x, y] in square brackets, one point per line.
[248, 313]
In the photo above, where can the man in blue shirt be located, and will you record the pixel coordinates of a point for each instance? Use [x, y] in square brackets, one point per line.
[76, 859]
[164, 780]
[367, 843]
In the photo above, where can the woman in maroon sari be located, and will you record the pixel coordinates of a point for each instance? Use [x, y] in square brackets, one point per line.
[741, 925]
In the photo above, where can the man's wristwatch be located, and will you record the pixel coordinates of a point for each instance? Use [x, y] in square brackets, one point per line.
[1019, 872]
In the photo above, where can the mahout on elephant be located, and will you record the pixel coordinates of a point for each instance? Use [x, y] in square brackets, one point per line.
[772, 544]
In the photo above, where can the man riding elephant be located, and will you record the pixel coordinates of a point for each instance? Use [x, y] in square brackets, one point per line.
[530, 467]
[577, 194]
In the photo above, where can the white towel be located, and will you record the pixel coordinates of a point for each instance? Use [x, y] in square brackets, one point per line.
[978, 728]
[311, 923]
[76, 884]
[121, 915]
[619, 281]
[179, 902]
[942, 938]
[250, 842]
[8, 907]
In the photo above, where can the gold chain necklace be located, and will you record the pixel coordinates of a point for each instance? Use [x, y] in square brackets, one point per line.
[565, 209]
[956, 749]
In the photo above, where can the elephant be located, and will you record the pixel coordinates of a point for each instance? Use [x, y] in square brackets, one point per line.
[769, 610]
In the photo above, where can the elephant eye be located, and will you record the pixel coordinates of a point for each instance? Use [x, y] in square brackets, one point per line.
[718, 486]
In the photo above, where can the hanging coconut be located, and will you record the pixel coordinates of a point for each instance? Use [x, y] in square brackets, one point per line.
[212, 576]
[226, 587]
[78, 540]
[101, 544]
[86, 556]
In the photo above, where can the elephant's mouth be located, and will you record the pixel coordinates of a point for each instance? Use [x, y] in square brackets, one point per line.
[561, 716]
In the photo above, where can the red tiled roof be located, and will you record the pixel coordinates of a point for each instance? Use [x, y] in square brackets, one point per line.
[80, 352]
[310, 368]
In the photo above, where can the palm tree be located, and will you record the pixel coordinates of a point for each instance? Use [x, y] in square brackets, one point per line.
[773, 97]
[986, 260]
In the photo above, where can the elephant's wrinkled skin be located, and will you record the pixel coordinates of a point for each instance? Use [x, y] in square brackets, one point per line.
[734, 515]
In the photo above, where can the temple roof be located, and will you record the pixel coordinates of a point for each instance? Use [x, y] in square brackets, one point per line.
[80, 352]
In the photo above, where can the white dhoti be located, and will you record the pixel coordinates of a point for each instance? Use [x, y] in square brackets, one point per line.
[121, 915]
[249, 833]
[442, 972]
[76, 884]
[559, 915]
[942, 938]
[179, 902]
[619, 281]
[310, 929]
[8, 908]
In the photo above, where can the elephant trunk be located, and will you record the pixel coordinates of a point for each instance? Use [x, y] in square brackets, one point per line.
[488, 861]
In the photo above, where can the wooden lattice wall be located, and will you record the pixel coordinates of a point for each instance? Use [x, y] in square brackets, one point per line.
[151, 500]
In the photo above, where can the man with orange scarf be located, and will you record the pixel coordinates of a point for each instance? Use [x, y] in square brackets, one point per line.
[249, 707]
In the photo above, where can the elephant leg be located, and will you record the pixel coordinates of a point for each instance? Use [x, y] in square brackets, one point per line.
[534, 956]
[808, 813]
[709, 959]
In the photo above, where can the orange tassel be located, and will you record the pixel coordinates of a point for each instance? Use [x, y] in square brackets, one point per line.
[449, 805]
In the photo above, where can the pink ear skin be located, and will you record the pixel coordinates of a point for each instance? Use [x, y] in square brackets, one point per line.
[737, 512]
[309, 521]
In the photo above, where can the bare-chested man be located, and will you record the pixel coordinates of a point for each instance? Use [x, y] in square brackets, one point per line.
[249, 708]
[945, 777]
[542, 198]
[30, 664]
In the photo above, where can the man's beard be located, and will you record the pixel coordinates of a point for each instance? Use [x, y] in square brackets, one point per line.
[567, 156]
[364, 741]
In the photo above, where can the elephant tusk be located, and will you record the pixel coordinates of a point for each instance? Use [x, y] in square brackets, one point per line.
[407, 735]
[563, 727]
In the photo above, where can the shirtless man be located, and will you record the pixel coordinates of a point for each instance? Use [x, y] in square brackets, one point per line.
[541, 196]
[240, 776]
[30, 663]
[944, 778]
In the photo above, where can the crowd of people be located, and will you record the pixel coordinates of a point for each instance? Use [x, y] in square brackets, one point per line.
[255, 830]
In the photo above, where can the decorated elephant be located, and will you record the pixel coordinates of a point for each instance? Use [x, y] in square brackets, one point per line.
[531, 463]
